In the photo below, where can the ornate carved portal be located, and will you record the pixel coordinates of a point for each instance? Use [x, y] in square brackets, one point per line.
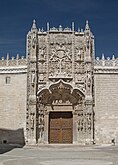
[60, 79]
[58, 99]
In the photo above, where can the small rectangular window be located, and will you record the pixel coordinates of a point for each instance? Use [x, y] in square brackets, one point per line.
[8, 80]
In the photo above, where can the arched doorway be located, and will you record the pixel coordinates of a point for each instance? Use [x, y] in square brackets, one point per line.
[58, 109]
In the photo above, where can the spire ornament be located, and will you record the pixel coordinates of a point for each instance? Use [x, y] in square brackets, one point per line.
[34, 25]
[87, 26]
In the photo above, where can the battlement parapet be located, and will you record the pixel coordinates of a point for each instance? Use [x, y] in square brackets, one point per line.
[18, 61]
[106, 65]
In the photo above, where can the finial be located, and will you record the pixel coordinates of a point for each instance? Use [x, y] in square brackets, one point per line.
[2, 58]
[34, 25]
[17, 56]
[97, 58]
[7, 56]
[60, 28]
[78, 29]
[73, 26]
[48, 26]
[87, 25]
[12, 57]
[113, 57]
[81, 30]
[22, 57]
[103, 58]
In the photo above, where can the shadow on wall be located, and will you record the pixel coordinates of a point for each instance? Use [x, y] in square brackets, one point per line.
[10, 139]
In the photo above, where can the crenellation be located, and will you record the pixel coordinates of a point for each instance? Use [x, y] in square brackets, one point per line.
[106, 62]
[13, 61]
[106, 65]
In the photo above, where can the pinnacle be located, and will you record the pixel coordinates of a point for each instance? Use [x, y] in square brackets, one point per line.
[87, 25]
[34, 25]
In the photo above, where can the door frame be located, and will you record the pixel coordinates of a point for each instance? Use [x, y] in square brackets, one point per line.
[61, 130]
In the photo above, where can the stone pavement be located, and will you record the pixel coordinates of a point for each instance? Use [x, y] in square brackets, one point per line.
[59, 155]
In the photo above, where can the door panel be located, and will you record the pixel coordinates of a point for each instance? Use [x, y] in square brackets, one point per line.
[60, 127]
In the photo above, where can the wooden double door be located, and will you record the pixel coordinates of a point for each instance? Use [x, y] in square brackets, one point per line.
[60, 127]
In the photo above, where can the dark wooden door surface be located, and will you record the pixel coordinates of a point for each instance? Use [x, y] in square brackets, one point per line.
[60, 127]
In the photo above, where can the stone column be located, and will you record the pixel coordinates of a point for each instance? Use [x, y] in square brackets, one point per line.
[75, 119]
[31, 139]
[46, 127]
[89, 122]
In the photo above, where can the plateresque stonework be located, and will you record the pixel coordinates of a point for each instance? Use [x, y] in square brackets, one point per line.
[59, 93]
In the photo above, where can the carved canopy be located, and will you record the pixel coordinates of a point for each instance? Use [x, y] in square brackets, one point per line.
[60, 93]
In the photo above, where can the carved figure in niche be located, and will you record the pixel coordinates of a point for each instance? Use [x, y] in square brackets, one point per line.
[88, 83]
[41, 77]
[41, 120]
[89, 121]
[79, 55]
[33, 77]
[87, 41]
[42, 52]
[80, 123]
[33, 42]
[32, 120]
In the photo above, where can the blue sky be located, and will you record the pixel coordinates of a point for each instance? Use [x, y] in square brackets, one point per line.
[16, 18]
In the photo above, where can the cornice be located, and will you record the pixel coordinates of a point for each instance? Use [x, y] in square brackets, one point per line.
[11, 69]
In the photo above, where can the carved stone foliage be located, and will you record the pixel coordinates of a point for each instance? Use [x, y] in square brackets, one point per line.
[60, 57]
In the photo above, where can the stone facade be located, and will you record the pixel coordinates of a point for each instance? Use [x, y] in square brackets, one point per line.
[13, 98]
[58, 76]
[106, 99]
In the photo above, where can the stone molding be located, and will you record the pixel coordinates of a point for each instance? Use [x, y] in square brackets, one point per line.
[16, 69]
